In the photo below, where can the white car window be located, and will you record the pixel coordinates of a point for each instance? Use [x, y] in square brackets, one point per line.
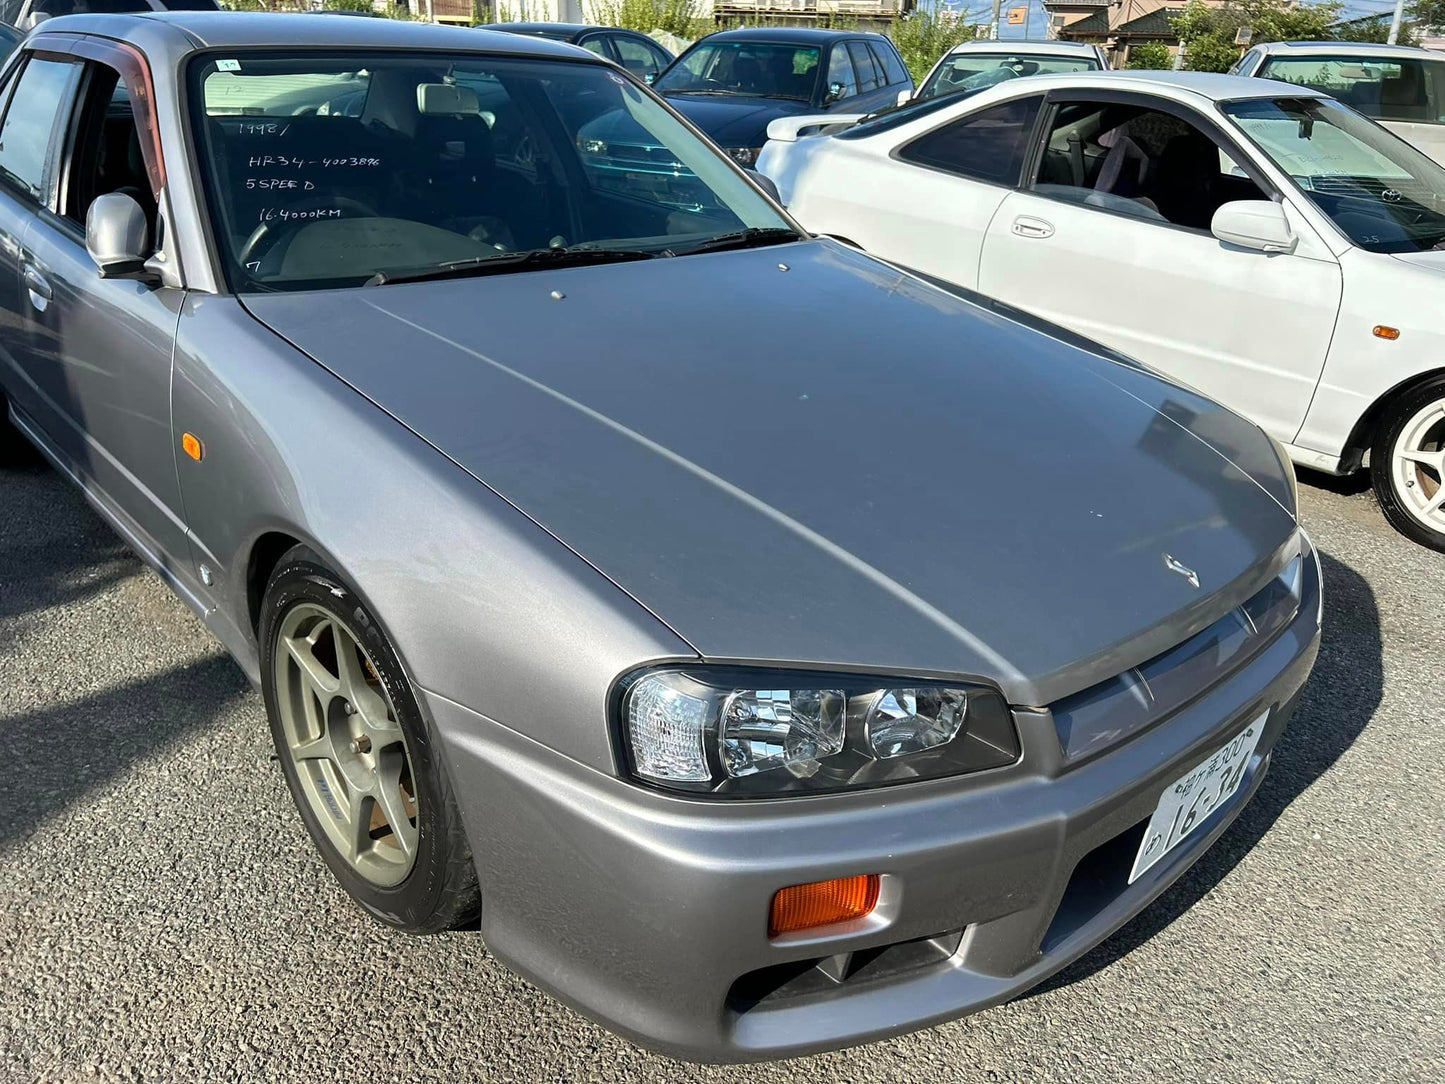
[1142, 162]
[987, 146]
[1391, 88]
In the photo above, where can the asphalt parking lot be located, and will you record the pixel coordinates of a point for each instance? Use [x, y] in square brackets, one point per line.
[163, 915]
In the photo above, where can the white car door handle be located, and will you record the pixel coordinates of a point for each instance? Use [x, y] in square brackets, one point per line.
[1025, 226]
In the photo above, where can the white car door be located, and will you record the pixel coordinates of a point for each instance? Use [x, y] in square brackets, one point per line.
[928, 205]
[1111, 238]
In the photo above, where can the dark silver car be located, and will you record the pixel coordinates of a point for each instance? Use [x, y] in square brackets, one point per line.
[775, 649]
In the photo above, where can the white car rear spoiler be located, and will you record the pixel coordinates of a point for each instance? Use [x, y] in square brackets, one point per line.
[786, 129]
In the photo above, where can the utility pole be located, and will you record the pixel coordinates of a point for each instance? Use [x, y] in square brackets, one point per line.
[1395, 23]
[993, 26]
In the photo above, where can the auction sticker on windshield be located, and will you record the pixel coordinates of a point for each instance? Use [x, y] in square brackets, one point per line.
[1187, 803]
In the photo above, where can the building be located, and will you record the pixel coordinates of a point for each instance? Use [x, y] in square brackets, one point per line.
[1116, 25]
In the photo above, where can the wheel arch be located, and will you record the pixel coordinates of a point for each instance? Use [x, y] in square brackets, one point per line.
[266, 553]
[1362, 435]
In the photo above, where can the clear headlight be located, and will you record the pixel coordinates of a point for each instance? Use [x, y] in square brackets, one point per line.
[741, 732]
[744, 156]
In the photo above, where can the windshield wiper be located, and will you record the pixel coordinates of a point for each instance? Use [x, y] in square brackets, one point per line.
[752, 237]
[504, 262]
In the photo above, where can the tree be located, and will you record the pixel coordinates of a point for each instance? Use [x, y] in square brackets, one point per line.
[1374, 29]
[1150, 56]
[1428, 12]
[1209, 34]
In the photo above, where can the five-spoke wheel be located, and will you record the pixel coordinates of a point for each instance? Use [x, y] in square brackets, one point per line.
[1407, 465]
[358, 754]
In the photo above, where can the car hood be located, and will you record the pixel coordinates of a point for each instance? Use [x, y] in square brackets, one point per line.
[736, 122]
[800, 454]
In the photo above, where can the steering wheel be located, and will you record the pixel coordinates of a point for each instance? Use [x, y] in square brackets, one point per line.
[265, 236]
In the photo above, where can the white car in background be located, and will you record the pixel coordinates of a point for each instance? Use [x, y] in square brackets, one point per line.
[1402, 87]
[1258, 241]
[974, 65]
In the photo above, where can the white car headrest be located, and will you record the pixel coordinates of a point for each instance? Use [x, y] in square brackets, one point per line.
[446, 100]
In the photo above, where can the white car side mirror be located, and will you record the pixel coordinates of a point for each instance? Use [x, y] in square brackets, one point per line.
[1258, 224]
[904, 96]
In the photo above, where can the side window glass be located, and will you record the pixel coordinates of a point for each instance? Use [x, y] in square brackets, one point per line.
[842, 83]
[636, 57]
[887, 58]
[34, 118]
[868, 77]
[598, 45]
[987, 146]
[1139, 162]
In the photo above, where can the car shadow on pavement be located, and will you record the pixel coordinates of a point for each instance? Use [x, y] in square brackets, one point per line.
[57, 754]
[1337, 703]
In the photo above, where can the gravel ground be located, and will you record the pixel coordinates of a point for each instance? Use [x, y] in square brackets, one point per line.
[163, 915]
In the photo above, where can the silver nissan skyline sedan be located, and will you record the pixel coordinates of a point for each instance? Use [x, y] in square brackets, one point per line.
[774, 649]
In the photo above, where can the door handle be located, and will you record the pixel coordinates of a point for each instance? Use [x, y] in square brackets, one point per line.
[38, 287]
[1027, 226]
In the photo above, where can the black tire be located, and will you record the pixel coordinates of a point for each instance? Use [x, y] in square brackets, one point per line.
[1382, 463]
[440, 892]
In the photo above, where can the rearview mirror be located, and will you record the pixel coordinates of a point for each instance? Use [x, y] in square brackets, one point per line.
[117, 236]
[1257, 224]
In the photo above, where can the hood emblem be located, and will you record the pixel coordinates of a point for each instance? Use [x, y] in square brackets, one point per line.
[1174, 565]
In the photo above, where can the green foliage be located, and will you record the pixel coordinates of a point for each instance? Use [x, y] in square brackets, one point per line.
[1376, 29]
[925, 34]
[684, 18]
[1428, 12]
[1150, 56]
[347, 5]
[1209, 32]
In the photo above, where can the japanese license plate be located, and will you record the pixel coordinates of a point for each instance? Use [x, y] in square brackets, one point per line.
[1187, 803]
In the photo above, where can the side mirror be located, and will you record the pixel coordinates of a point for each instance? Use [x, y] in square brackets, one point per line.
[835, 92]
[904, 97]
[765, 182]
[1257, 224]
[650, 78]
[117, 236]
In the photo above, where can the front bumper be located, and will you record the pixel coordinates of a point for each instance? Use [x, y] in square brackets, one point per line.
[649, 912]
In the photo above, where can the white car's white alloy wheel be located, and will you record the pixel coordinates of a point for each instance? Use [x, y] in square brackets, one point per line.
[1417, 465]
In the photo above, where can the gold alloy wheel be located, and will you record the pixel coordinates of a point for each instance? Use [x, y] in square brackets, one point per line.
[349, 752]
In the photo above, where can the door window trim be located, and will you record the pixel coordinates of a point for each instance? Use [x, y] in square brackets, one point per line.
[1055, 99]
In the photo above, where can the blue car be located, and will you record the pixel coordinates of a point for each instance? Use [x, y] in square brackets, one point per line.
[732, 84]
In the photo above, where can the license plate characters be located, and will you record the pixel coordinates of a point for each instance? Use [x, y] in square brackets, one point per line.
[1187, 803]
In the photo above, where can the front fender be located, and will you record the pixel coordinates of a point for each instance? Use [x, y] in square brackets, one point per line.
[485, 607]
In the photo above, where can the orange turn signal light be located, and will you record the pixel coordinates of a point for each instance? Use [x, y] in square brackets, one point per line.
[1383, 331]
[191, 445]
[823, 903]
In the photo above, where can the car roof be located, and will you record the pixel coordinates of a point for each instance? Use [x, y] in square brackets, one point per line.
[1025, 46]
[182, 32]
[788, 35]
[1350, 48]
[1201, 84]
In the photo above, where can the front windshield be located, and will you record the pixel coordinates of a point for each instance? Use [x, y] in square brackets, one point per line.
[974, 71]
[753, 68]
[1386, 88]
[338, 169]
[1381, 192]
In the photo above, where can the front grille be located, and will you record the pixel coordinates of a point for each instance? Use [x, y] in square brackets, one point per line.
[1104, 714]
